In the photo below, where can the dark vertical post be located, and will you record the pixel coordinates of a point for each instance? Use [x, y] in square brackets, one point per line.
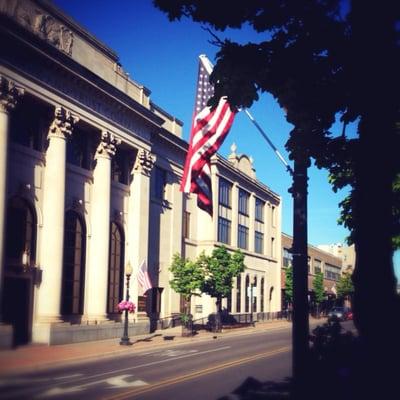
[125, 341]
[300, 271]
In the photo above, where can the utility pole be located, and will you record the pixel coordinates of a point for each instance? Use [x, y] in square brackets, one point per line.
[300, 331]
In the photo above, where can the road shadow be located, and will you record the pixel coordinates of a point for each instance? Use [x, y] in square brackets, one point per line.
[333, 370]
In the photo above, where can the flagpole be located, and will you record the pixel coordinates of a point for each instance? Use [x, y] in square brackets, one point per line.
[209, 68]
[264, 135]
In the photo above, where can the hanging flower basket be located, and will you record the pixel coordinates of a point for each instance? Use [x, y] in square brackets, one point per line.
[126, 306]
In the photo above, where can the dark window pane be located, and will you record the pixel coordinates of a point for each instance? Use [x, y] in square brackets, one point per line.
[224, 193]
[224, 230]
[243, 202]
[73, 265]
[243, 234]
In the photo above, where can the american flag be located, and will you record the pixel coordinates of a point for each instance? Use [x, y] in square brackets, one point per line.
[143, 277]
[209, 129]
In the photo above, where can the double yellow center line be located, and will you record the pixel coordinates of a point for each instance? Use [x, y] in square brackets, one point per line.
[182, 378]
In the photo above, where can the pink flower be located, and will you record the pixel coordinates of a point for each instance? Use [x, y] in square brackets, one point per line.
[126, 305]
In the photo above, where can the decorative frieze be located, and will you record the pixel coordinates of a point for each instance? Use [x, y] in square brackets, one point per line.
[40, 23]
[108, 143]
[144, 162]
[9, 94]
[88, 95]
[63, 123]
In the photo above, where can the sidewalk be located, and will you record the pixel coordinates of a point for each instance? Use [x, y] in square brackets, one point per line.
[37, 357]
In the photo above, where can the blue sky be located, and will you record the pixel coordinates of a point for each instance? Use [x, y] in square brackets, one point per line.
[163, 56]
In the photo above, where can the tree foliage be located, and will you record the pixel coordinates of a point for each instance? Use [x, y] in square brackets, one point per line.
[325, 60]
[289, 284]
[187, 277]
[318, 286]
[219, 270]
[345, 286]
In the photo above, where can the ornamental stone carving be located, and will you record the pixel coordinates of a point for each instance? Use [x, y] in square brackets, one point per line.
[63, 123]
[108, 143]
[144, 162]
[31, 17]
[9, 94]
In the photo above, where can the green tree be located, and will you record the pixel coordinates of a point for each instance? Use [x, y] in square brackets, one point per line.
[187, 280]
[289, 284]
[219, 270]
[318, 287]
[345, 287]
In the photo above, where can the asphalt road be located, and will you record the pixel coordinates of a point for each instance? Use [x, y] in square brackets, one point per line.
[197, 371]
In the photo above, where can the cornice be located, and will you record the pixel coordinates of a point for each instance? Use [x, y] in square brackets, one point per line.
[71, 23]
[218, 160]
[46, 62]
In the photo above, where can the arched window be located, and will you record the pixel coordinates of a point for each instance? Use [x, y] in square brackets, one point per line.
[73, 264]
[262, 294]
[238, 292]
[21, 232]
[247, 297]
[115, 268]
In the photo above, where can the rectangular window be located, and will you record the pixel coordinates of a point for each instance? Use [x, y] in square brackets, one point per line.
[317, 266]
[119, 167]
[224, 230]
[186, 225]
[332, 272]
[273, 215]
[243, 235]
[287, 258]
[309, 264]
[160, 183]
[272, 247]
[243, 202]
[224, 193]
[259, 242]
[259, 210]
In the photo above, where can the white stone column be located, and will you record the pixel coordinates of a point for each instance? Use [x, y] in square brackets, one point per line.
[138, 215]
[49, 294]
[9, 94]
[97, 273]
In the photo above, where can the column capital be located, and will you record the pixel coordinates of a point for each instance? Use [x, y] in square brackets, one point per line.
[9, 94]
[144, 162]
[108, 144]
[63, 123]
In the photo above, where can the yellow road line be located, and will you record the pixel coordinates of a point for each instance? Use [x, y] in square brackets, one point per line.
[196, 374]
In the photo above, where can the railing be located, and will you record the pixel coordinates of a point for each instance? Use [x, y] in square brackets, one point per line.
[169, 322]
[228, 320]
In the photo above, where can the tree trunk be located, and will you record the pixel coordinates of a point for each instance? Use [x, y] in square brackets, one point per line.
[377, 78]
[218, 324]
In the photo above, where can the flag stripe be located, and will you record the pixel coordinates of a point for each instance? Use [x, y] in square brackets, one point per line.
[205, 146]
[209, 129]
[143, 277]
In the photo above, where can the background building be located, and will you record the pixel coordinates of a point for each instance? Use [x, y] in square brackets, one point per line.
[89, 181]
[346, 253]
[318, 261]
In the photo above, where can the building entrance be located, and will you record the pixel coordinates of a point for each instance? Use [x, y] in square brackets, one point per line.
[17, 307]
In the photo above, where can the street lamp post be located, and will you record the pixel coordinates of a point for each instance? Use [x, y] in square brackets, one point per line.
[125, 341]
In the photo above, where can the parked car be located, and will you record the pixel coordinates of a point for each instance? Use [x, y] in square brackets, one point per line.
[340, 314]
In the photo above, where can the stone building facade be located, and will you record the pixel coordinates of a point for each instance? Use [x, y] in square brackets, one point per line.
[89, 181]
[318, 261]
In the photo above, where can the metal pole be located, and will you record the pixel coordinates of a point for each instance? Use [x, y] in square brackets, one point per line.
[264, 135]
[300, 272]
[125, 341]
